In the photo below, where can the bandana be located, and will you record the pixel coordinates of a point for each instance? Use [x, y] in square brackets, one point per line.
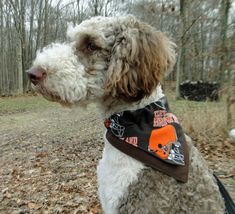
[153, 136]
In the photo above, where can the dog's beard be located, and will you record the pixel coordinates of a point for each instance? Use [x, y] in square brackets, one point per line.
[52, 96]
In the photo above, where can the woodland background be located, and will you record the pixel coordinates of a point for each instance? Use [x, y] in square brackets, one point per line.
[204, 31]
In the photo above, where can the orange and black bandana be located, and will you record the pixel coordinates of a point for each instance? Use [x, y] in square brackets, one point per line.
[153, 136]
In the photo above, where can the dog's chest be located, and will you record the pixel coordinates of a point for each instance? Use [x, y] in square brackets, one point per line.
[116, 171]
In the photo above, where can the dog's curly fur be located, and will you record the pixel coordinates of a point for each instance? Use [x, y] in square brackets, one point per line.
[117, 62]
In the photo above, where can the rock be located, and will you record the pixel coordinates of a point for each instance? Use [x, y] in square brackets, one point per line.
[232, 133]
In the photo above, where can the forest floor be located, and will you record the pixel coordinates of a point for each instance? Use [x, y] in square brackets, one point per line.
[48, 154]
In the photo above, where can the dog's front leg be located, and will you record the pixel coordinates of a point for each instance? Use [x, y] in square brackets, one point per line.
[116, 171]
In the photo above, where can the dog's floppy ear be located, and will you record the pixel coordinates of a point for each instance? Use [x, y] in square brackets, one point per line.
[139, 57]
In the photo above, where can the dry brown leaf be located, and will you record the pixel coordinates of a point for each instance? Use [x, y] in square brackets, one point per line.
[34, 206]
[95, 210]
[20, 202]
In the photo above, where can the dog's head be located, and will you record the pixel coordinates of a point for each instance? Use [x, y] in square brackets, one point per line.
[106, 57]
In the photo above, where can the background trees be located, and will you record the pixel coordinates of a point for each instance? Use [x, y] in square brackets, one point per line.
[203, 31]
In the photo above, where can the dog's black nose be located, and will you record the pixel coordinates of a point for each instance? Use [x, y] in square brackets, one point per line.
[36, 75]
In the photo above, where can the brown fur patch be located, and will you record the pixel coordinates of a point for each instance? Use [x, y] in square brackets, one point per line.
[85, 42]
[139, 58]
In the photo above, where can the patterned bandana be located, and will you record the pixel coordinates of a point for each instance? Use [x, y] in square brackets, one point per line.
[153, 136]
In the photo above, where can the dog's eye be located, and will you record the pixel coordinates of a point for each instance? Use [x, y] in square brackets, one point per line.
[92, 47]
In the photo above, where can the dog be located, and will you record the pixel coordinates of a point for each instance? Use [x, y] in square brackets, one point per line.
[117, 63]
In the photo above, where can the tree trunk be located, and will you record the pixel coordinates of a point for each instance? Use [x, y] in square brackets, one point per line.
[202, 61]
[19, 66]
[1, 47]
[45, 27]
[230, 102]
[178, 76]
[181, 58]
[39, 24]
[224, 12]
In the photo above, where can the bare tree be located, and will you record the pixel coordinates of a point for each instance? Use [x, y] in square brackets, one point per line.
[224, 12]
[224, 65]
[181, 56]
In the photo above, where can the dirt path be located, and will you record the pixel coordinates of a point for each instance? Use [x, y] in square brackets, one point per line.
[48, 161]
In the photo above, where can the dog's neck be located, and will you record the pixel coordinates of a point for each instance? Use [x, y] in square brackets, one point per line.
[111, 106]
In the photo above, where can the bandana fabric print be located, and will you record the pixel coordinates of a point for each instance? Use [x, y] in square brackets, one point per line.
[153, 136]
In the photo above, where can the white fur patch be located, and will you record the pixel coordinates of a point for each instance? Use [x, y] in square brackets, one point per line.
[116, 171]
[65, 77]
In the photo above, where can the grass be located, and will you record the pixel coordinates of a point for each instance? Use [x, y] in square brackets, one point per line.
[203, 121]
[200, 118]
[24, 103]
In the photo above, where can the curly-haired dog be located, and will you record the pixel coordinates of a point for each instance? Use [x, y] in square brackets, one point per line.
[117, 63]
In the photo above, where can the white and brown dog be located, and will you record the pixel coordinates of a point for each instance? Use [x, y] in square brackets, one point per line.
[117, 62]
